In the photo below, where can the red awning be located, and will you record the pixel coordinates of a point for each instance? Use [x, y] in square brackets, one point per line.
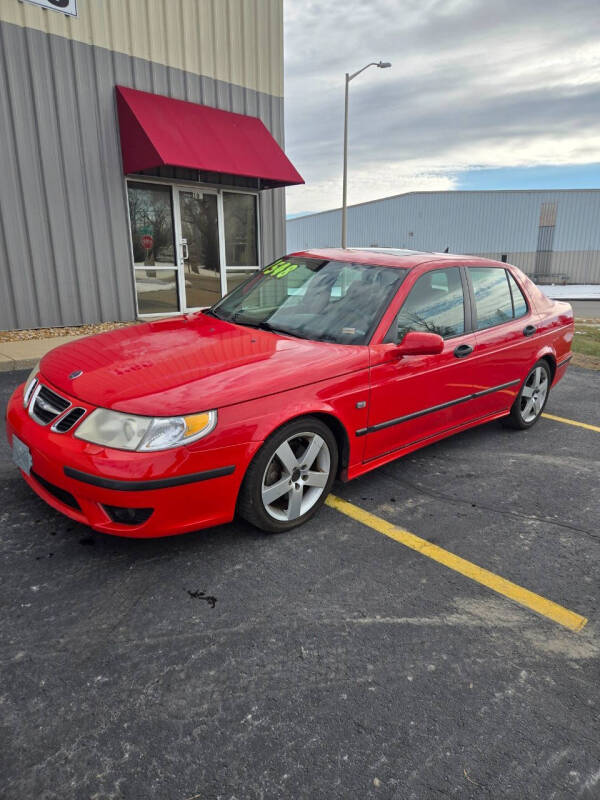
[157, 131]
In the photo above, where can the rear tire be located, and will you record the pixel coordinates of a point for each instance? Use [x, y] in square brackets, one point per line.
[531, 400]
[290, 476]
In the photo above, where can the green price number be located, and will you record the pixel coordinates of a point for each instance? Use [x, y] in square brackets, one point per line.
[280, 268]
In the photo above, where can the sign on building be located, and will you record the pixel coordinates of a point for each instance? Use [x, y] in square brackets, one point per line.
[66, 6]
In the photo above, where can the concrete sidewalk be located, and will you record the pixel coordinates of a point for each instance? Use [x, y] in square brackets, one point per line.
[24, 354]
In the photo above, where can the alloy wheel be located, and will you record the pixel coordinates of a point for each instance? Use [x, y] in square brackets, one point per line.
[533, 394]
[295, 476]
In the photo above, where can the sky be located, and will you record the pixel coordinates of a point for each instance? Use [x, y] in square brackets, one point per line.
[482, 94]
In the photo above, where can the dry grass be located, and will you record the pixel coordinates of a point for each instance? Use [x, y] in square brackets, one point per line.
[586, 346]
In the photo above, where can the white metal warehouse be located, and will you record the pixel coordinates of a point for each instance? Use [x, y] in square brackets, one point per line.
[553, 236]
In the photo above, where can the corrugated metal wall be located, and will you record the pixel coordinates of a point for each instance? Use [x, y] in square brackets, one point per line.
[236, 41]
[489, 224]
[64, 239]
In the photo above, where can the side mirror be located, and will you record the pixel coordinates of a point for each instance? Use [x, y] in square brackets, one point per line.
[417, 343]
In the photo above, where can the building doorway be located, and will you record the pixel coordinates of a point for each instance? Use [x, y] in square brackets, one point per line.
[190, 245]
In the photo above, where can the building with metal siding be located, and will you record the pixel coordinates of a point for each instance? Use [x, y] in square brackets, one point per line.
[553, 236]
[65, 239]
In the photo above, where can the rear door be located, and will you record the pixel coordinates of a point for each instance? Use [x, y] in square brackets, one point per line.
[414, 398]
[506, 337]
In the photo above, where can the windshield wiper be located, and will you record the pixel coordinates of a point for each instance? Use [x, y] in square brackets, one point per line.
[212, 313]
[266, 326]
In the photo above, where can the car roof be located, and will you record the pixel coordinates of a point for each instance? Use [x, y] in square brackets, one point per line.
[390, 256]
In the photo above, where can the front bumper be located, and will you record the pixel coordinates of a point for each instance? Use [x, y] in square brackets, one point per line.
[187, 488]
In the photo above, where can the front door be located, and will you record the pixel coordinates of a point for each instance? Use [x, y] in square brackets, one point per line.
[415, 398]
[199, 249]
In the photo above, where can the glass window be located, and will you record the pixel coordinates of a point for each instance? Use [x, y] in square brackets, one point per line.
[519, 303]
[240, 229]
[492, 296]
[434, 304]
[331, 301]
[156, 291]
[151, 216]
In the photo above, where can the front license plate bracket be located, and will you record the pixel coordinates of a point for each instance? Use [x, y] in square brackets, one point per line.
[21, 455]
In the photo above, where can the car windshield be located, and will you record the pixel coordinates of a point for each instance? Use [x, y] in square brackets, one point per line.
[331, 301]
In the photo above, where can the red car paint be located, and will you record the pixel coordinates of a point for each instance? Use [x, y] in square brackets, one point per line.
[259, 380]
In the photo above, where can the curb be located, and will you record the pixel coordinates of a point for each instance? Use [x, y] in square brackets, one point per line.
[8, 364]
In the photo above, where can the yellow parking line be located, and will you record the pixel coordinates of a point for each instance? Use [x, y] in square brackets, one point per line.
[547, 608]
[573, 422]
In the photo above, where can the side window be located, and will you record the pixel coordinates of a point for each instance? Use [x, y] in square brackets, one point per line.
[492, 296]
[434, 304]
[519, 304]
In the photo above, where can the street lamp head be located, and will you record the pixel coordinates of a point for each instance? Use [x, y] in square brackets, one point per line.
[384, 64]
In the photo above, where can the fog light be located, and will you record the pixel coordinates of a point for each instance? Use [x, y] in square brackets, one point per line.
[128, 516]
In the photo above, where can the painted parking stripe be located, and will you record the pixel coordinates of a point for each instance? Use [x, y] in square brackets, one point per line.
[547, 608]
[572, 422]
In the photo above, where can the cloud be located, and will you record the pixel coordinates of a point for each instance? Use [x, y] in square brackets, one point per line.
[473, 84]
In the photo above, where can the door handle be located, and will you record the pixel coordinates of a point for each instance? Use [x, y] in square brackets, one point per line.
[184, 250]
[463, 350]
[529, 330]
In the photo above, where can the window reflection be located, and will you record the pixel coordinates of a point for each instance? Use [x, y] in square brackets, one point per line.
[237, 276]
[156, 291]
[314, 299]
[492, 296]
[151, 217]
[240, 229]
[435, 304]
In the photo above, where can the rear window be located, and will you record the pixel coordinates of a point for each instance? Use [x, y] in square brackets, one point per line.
[519, 302]
[493, 299]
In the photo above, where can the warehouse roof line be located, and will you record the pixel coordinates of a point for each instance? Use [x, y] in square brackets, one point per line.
[443, 191]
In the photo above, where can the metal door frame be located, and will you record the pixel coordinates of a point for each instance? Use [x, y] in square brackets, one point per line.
[191, 186]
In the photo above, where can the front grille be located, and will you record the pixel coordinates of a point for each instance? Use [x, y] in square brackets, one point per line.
[67, 422]
[47, 405]
[61, 494]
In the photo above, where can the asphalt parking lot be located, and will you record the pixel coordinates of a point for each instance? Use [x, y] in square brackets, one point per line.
[330, 662]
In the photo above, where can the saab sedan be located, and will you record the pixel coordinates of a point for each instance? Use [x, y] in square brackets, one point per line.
[324, 365]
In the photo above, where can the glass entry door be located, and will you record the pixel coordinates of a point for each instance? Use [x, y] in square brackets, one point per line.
[190, 246]
[199, 249]
[156, 273]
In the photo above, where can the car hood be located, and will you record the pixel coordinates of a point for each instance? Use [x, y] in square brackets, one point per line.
[191, 363]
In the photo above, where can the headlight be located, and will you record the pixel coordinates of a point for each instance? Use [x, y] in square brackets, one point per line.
[30, 384]
[132, 432]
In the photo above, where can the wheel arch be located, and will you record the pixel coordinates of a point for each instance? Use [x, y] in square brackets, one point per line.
[334, 424]
[548, 355]
[341, 438]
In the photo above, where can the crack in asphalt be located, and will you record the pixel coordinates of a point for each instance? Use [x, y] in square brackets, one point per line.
[462, 501]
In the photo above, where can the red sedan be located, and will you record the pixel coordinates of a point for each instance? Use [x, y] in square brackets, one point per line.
[325, 364]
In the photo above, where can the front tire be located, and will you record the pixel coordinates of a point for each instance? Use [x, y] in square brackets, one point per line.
[290, 476]
[531, 400]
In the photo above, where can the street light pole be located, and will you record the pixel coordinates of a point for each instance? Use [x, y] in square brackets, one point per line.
[345, 176]
[381, 65]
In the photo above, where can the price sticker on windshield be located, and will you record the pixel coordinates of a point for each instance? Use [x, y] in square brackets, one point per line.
[280, 268]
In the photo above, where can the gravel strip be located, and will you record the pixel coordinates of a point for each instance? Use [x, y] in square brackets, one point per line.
[48, 333]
